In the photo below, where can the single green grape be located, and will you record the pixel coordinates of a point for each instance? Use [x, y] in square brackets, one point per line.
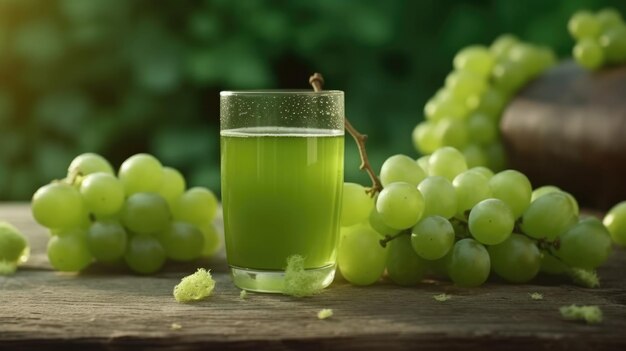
[106, 240]
[481, 128]
[172, 186]
[446, 105]
[583, 24]
[404, 266]
[447, 162]
[469, 263]
[513, 188]
[439, 197]
[69, 252]
[470, 188]
[508, 76]
[197, 205]
[400, 168]
[463, 84]
[490, 103]
[517, 259]
[502, 44]
[542, 190]
[491, 221]
[551, 264]
[182, 241]
[588, 53]
[476, 59]
[585, 245]
[102, 193]
[89, 163]
[13, 244]
[356, 205]
[484, 171]
[141, 173]
[451, 132]
[475, 156]
[360, 257]
[615, 222]
[424, 138]
[432, 237]
[400, 205]
[423, 163]
[144, 254]
[212, 240]
[549, 216]
[376, 222]
[609, 18]
[146, 213]
[613, 42]
[58, 206]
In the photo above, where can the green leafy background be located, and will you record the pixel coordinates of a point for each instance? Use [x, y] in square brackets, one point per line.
[119, 77]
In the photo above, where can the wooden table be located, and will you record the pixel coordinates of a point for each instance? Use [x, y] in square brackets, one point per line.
[44, 309]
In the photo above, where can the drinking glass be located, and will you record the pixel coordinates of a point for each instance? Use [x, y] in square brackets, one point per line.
[282, 177]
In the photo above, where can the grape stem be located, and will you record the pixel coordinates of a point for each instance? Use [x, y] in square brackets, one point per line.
[317, 81]
[388, 238]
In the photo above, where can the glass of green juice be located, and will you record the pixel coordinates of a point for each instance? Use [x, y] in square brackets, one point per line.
[282, 178]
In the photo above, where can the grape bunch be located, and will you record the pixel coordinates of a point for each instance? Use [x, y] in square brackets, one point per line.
[440, 217]
[466, 112]
[600, 38]
[141, 217]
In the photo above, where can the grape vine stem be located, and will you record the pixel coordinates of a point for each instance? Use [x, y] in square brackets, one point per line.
[317, 82]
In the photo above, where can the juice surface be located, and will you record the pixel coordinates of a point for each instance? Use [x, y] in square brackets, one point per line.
[281, 194]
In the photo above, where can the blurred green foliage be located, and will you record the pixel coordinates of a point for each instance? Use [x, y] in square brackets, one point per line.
[120, 77]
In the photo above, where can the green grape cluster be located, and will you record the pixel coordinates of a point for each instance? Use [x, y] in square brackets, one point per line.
[141, 217]
[466, 112]
[600, 38]
[447, 219]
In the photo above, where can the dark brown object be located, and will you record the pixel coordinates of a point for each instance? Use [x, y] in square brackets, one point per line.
[568, 128]
[45, 310]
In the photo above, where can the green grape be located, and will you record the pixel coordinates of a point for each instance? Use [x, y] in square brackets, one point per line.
[197, 206]
[470, 188]
[586, 245]
[451, 132]
[58, 206]
[424, 138]
[609, 18]
[13, 244]
[439, 197]
[446, 106]
[550, 264]
[400, 205]
[102, 193]
[423, 163]
[615, 222]
[549, 216]
[542, 190]
[502, 44]
[476, 59]
[572, 199]
[517, 259]
[613, 42]
[400, 168]
[144, 254]
[106, 240]
[145, 213]
[447, 162]
[496, 156]
[377, 223]
[491, 221]
[490, 103]
[360, 257]
[463, 84]
[172, 186]
[212, 240]
[588, 53]
[69, 252]
[481, 129]
[432, 237]
[583, 24]
[404, 266]
[182, 241]
[484, 171]
[88, 163]
[475, 156]
[356, 205]
[141, 173]
[508, 76]
[513, 188]
[468, 264]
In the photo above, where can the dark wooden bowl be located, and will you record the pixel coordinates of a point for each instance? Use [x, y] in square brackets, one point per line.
[568, 128]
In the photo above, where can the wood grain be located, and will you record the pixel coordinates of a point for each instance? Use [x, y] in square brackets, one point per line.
[43, 309]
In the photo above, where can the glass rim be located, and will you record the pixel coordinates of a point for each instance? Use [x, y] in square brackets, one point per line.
[280, 92]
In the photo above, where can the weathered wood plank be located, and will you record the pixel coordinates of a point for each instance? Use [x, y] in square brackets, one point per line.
[40, 308]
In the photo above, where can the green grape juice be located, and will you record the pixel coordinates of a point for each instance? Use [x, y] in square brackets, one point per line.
[281, 193]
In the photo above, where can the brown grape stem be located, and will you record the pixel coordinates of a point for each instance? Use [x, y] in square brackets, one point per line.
[388, 238]
[317, 81]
